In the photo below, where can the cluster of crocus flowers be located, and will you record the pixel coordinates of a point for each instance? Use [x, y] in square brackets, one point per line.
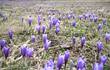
[10, 34]
[100, 65]
[46, 42]
[25, 51]
[63, 59]
[4, 48]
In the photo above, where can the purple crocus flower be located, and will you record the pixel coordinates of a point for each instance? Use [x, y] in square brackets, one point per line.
[103, 59]
[107, 37]
[80, 17]
[80, 64]
[96, 66]
[3, 43]
[99, 27]
[29, 52]
[43, 28]
[23, 50]
[67, 55]
[57, 24]
[49, 65]
[69, 16]
[44, 37]
[91, 18]
[47, 44]
[60, 61]
[95, 19]
[101, 66]
[39, 20]
[100, 46]
[30, 20]
[83, 41]
[10, 33]
[6, 51]
[54, 21]
[57, 30]
[74, 23]
[104, 20]
[37, 28]
[86, 16]
[33, 38]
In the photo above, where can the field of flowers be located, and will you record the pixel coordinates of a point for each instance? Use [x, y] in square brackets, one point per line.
[54, 35]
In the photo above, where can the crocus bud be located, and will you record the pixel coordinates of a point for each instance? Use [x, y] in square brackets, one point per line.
[47, 44]
[103, 59]
[69, 16]
[32, 38]
[57, 30]
[100, 46]
[43, 28]
[3, 43]
[37, 28]
[74, 23]
[95, 19]
[39, 20]
[107, 37]
[80, 64]
[86, 16]
[83, 41]
[91, 18]
[99, 27]
[49, 65]
[23, 50]
[10, 34]
[60, 61]
[6, 51]
[104, 20]
[29, 52]
[67, 55]
[30, 20]
[44, 37]
[54, 20]
[80, 17]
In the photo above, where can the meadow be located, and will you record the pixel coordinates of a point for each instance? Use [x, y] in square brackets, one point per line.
[54, 35]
